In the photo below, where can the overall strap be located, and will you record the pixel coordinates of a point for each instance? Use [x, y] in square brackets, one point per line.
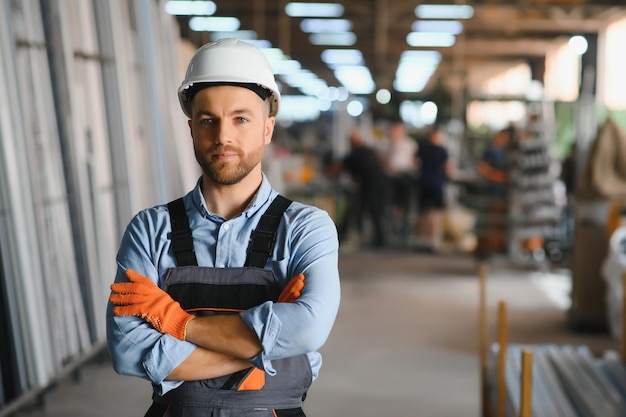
[182, 240]
[263, 237]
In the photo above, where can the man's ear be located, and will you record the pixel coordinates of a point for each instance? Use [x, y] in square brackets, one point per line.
[269, 129]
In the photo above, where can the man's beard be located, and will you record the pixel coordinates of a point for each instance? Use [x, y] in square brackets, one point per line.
[228, 173]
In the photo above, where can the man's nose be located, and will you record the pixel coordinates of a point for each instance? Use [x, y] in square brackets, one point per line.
[224, 133]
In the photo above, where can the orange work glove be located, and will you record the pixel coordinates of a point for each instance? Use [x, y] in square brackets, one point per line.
[143, 298]
[255, 380]
[291, 292]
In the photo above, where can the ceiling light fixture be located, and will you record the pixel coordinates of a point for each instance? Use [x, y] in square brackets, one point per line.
[244, 35]
[415, 69]
[356, 79]
[430, 39]
[214, 24]
[325, 25]
[337, 57]
[444, 11]
[333, 39]
[301, 9]
[190, 8]
[453, 27]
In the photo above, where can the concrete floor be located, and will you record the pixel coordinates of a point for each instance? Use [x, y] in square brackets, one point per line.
[405, 342]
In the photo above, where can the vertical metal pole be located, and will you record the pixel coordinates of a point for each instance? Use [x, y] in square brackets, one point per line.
[284, 26]
[622, 340]
[259, 18]
[380, 42]
[482, 337]
[502, 343]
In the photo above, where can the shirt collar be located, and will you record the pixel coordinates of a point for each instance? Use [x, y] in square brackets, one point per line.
[260, 198]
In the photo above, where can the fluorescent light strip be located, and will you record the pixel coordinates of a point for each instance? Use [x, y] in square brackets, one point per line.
[335, 57]
[333, 39]
[430, 39]
[356, 79]
[415, 69]
[214, 24]
[453, 27]
[190, 8]
[325, 25]
[301, 9]
[444, 11]
[244, 35]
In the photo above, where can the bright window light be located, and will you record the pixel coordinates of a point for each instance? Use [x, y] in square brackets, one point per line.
[612, 85]
[214, 24]
[325, 25]
[336, 57]
[333, 39]
[444, 11]
[301, 9]
[356, 79]
[453, 27]
[430, 39]
[190, 8]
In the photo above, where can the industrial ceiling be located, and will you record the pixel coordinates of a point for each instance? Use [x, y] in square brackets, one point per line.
[498, 32]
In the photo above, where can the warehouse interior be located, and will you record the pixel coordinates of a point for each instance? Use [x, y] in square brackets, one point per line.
[91, 132]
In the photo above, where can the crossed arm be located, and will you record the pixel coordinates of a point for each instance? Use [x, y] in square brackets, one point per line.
[224, 342]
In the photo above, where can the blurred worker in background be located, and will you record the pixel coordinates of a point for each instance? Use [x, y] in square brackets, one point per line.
[222, 297]
[400, 159]
[493, 165]
[493, 168]
[435, 170]
[366, 169]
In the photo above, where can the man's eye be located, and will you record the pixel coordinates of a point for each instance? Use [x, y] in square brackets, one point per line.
[241, 120]
[206, 121]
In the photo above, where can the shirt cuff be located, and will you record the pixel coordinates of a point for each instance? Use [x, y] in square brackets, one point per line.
[166, 355]
[267, 327]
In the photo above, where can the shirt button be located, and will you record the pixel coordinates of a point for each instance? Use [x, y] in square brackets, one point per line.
[226, 226]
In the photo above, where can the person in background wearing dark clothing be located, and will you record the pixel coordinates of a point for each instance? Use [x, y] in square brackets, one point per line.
[568, 176]
[493, 169]
[493, 165]
[367, 171]
[435, 169]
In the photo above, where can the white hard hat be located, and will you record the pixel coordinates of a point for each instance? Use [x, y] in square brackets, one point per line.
[229, 62]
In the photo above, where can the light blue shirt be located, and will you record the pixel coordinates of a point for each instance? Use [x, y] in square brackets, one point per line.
[306, 242]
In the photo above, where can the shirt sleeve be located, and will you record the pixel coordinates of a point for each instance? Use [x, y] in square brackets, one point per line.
[137, 349]
[290, 329]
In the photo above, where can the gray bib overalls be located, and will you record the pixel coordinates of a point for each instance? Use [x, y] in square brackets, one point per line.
[206, 290]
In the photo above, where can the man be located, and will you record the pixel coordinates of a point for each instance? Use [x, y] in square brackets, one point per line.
[235, 335]
[367, 172]
[435, 169]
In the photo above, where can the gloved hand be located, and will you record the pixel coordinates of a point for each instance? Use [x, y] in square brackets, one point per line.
[255, 380]
[292, 290]
[143, 298]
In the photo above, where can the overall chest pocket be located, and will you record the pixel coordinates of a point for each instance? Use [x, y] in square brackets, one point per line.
[205, 290]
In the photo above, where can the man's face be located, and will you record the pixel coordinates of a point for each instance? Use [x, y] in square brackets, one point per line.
[230, 128]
